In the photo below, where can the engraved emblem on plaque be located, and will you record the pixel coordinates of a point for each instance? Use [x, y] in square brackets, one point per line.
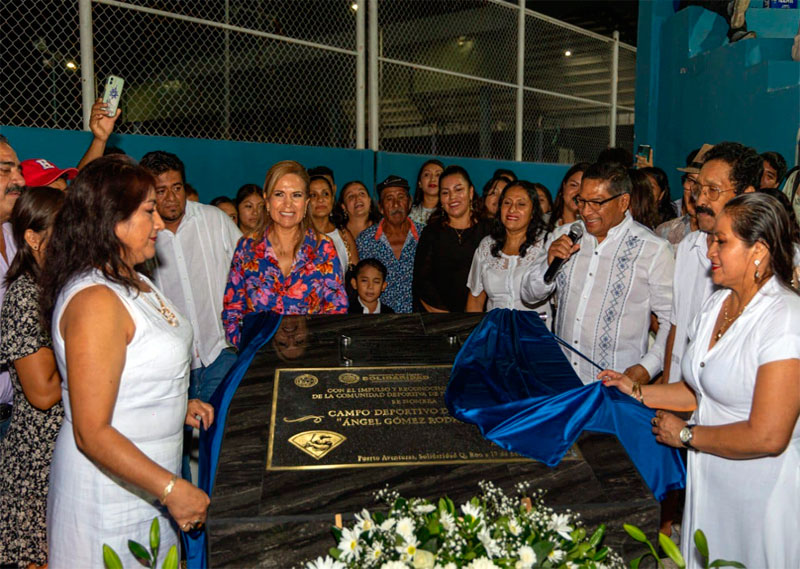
[317, 443]
[306, 380]
[349, 378]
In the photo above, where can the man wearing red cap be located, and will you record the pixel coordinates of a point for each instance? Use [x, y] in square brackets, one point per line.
[41, 172]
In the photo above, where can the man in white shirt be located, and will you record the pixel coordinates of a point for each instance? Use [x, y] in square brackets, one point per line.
[193, 258]
[729, 169]
[11, 186]
[609, 284]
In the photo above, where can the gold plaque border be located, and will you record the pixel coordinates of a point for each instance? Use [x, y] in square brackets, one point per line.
[387, 464]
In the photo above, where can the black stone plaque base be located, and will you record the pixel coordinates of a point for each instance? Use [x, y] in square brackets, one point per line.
[277, 519]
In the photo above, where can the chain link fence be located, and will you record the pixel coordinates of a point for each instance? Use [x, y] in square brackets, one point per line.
[288, 72]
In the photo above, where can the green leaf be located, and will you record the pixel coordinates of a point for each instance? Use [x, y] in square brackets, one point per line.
[635, 533]
[140, 553]
[431, 545]
[723, 563]
[671, 550]
[602, 554]
[542, 549]
[635, 562]
[701, 543]
[337, 533]
[597, 536]
[442, 505]
[110, 558]
[335, 553]
[155, 537]
[578, 535]
[171, 561]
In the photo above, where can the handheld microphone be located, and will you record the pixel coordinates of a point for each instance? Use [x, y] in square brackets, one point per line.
[575, 234]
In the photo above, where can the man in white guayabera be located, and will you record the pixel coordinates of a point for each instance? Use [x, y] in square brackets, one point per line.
[610, 282]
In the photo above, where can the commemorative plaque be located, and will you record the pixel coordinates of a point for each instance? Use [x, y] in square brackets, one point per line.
[369, 417]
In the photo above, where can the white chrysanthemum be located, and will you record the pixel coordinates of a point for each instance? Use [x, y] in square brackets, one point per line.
[489, 543]
[394, 565]
[482, 563]
[423, 509]
[571, 565]
[388, 524]
[559, 523]
[374, 552]
[448, 521]
[405, 528]
[325, 563]
[513, 527]
[364, 522]
[556, 556]
[472, 511]
[349, 545]
[408, 549]
[527, 557]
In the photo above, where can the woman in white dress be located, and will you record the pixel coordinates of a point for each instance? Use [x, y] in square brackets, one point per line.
[321, 205]
[426, 195]
[123, 353]
[742, 371]
[502, 258]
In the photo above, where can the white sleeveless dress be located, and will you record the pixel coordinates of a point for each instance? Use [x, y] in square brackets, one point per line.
[86, 505]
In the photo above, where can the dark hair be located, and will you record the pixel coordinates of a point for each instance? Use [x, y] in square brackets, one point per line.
[340, 216]
[4, 140]
[113, 150]
[320, 171]
[370, 262]
[643, 206]
[760, 217]
[439, 216]
[548, 198]
[558, 205]
[189, 189]
[487, 187]
[746, 164]
[158, 162]
[690, 157]
[245, 192]
[223, 199]
[619, 181]
[418, 195]
[781, 197]
[617, 154]
[35, 209]
[536, 228]
[505, 173]
[320, 179]
[778, 163]
[106, 192]
[664, 205]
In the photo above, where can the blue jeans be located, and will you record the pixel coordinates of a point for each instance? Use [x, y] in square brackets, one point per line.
[203, 381]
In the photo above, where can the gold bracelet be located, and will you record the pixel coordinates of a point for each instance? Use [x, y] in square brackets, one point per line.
[168, 488]
[636, 392]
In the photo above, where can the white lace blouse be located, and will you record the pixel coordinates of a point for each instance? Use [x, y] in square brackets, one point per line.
[501, 278]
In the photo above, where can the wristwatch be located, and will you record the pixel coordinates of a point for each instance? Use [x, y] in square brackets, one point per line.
[686, 435]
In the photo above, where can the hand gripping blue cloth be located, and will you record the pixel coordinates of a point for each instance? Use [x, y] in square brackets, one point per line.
[257, 329]
[511, 379]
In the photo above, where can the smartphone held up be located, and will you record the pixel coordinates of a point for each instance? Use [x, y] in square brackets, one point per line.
[112, 94]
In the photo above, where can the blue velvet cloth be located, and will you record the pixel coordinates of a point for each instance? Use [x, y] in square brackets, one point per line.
[257, 329]
[511, 379]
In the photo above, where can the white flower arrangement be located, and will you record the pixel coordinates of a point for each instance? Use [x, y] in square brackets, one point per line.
[490, 531]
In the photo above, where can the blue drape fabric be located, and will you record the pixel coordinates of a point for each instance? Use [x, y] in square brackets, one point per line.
[511, 379]
[257, 329]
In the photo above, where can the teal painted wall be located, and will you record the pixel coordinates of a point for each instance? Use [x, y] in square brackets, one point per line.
[693, 87]
[220, 167]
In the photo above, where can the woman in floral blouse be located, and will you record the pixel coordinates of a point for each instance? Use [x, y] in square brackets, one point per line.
[290, 268]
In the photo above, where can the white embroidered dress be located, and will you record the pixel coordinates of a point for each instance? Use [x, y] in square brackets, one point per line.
[87, 506]
[501, 278]
[605, 293]
[748, 509]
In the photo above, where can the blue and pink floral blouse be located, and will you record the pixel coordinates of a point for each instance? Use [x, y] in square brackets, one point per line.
[256, 283]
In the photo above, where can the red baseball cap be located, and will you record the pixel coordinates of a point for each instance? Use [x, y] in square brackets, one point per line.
[41, 172]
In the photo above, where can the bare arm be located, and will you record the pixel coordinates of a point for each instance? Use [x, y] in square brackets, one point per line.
[476, 303]
[101, 126]
[668, 356]
[96, 329]
[39, 378]
[673, 396]
[768, 429]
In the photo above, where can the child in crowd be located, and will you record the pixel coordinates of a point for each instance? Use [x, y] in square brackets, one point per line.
[369, 281]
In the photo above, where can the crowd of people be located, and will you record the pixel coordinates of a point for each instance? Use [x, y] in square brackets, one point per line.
[124, 303]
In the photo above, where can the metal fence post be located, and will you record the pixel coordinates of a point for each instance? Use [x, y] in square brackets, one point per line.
[87, 60]
[612, 128]
[361, 72]
[374, 94]
[520, 82]
[226, 111]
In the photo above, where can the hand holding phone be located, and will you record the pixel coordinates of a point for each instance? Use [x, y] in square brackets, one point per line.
[644, 156]
[112, 94]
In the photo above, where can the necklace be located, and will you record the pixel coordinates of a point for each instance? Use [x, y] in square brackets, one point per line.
[726, 322]
[459, 233]
[164, 310]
